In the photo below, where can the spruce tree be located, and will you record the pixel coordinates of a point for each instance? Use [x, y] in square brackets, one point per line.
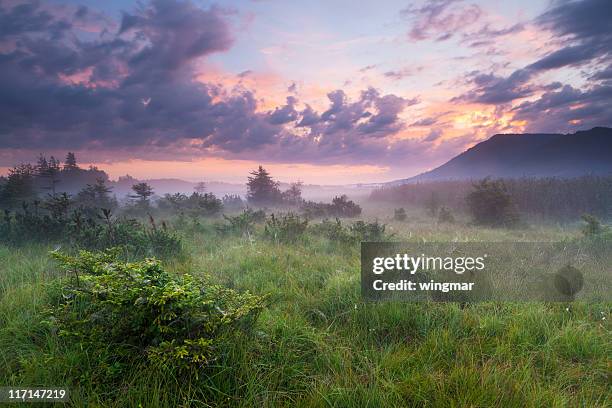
[262, 189]
[70, 163]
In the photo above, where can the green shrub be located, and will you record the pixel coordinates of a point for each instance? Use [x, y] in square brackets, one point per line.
[287, 228]
[243, 223]
[206, 204]
[356, 232]
[445, 215]
[491, 204]
[333, 230]
[147, 314]
[340, 206]
[368, 231]
[75, 230]
[592, 225]
[233, 202]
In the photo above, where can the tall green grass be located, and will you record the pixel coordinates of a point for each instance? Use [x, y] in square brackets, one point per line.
[319, 345]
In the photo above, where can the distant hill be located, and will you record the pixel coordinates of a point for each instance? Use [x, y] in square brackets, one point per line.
[529, 155]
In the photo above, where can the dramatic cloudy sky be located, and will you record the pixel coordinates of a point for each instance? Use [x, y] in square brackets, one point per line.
[325, 91]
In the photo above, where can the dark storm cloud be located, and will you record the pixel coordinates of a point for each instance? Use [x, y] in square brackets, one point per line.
[440, 19]
[568, 109]
[132, 88]
[29, 18]
[583, 30]
[495, 90]
[40, 108]
[602, 75]
[174, 34]
[309, 117]
[371, 115]
[284, 114]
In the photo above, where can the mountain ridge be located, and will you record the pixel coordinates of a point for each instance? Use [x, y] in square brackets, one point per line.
[529, 155]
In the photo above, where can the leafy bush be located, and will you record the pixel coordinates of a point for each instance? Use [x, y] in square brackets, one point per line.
[368, 231]
[34, 224]
[233, 202]
[146, 313]
[287, 228]
[357, 232]
[399, 214]
[445, 215]
[243, 223]
[592, 225]
[491, 205]
[206, 204]
[312, 209]
[340, 207]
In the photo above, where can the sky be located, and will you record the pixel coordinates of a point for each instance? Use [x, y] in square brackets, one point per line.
[326, 92]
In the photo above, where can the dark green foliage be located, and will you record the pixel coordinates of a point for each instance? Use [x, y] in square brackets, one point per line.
[95, 196]
[293, 195]
[592, 225]
[399, 214]
[18, 187]
[232, 202]
[54, 222]
[312, 209]
[333, 230]
[70, 163]
[368, 231]
[340, 207]
[202, 204]
[142, 192]
[286, 228]
[490, 204]
[262, 189]
[48, 172]
[243, 223]
[147, 314]
[445, 215]
[357, 232]
[559, 199]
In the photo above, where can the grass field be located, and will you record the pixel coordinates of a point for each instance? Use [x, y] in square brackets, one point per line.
[317, 344]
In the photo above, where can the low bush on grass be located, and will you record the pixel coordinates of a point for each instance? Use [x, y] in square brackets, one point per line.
[206, 204]
[445, 215]
[491, 205]
[356, 232]
[147, 314]
[77, 231]
[368, 231]
[592, 226]
[243, 223]
[286, 228]
[340, 207]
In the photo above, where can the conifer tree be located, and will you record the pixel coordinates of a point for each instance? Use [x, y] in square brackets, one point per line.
[262, 189]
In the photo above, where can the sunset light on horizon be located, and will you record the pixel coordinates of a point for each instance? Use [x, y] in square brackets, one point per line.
[330, 93]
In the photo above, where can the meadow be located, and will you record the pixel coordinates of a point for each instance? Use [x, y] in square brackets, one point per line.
[316, 343]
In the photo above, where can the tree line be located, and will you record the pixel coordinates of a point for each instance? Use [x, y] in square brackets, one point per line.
[557, 199]
[58, 188]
